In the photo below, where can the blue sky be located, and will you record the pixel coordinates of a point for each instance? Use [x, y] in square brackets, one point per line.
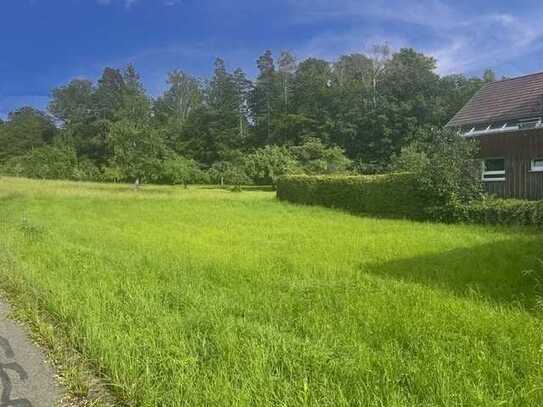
[45, 43]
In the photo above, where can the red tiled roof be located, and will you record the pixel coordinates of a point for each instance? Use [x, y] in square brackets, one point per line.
[509, 99]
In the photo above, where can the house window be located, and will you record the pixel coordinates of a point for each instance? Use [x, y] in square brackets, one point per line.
[537, 165]
[494, 169]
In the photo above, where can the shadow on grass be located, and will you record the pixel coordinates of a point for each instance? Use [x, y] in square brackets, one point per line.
[413, 217]
[495, 272]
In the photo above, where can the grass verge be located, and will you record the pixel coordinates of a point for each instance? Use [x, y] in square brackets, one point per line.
[76, 374]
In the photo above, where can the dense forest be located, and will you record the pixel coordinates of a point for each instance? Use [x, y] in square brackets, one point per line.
[310, 116]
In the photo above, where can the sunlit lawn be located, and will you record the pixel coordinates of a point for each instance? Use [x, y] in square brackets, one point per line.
[206, 297]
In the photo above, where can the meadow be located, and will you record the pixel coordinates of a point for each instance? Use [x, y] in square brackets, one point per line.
[203, 296]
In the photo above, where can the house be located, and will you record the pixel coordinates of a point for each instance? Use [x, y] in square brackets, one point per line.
[507, 118]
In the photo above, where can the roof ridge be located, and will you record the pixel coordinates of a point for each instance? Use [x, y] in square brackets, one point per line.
[515, 78]
[507, 99]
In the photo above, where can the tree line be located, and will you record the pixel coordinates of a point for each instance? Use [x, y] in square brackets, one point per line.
[311, 116]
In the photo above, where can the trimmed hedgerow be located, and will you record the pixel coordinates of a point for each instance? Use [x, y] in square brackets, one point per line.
[399, 195]
[394, 195]
[493, 211]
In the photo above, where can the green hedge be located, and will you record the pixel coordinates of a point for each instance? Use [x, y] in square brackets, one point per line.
[393, 195]
[396, 195]
[493, 211]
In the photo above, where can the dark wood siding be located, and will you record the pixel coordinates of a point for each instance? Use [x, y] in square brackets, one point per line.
[518, 149]
[495, 188]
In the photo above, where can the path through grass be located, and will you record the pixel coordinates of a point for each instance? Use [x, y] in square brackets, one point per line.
[207, 297]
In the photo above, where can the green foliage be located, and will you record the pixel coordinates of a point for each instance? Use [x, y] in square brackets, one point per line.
[400, 195]
[135, 104]
[316, 158]
[109, 94]
[136, 151]
[85, 170]
[265, 98]
[269, 163]
[25, 129]
[362, 107]
[183, 96]
[112, 173]
[229, 173]
[311, 88]
[413, 159]
[446, 167]
[74, 103]
[177, 170]
[493, 211]
[48, 162]
[381, 195]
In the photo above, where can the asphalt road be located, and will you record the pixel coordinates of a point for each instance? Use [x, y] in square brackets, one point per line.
[26, 379]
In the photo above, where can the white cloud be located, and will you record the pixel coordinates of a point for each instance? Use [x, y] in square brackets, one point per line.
[461, 41]
[486, 41]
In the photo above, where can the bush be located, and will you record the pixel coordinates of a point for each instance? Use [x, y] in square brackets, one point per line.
[229, 173]
[399, 195]
[267, 164]
[178, 170]
[383, 195]
[85, 170]
[48, 162]
[112, 173]
[492, 211]
[315, 158]
[446, 167]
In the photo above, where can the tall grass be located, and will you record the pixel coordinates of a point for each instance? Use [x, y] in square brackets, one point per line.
[206, 297]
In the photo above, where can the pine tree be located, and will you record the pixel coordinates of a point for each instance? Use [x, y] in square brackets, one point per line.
[264, 96]
[243, 88]
[287, 70]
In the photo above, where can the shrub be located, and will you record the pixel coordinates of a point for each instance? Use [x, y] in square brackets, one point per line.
[177, 170]
[112, 173]
[315, 158]
[267, 164]
[48, 162]
[385, 195]
[86, 170]
[229, 172]
[398, 195]
[492, 211]
[446, 167]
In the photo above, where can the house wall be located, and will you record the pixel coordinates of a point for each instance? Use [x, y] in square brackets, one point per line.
[518, 149]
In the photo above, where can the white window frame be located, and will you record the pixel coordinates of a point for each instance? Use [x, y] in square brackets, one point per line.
[485, 173]
[536, 168]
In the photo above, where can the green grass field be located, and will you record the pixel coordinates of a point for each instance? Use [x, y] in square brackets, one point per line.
[207, 297]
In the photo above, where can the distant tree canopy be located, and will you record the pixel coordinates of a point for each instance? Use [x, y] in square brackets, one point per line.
[312, 116]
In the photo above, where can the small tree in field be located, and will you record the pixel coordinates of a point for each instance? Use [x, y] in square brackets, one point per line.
[137, 150]
[446, 167]
[229, 173]
[177, 170]
[267, 164]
